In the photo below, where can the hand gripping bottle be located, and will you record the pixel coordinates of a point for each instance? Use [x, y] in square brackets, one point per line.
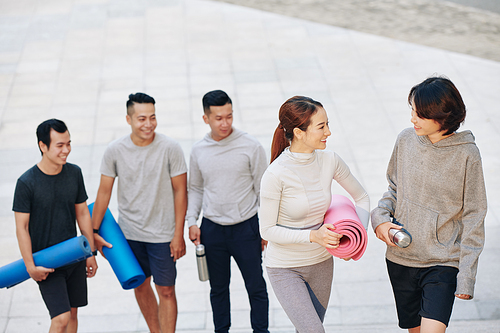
[201, 261]
[400, 237]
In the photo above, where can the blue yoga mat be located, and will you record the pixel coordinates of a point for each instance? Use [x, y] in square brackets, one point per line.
[62, 254]
[120, 256]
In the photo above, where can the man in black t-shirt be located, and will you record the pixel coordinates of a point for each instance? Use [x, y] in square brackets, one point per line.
[49, 197]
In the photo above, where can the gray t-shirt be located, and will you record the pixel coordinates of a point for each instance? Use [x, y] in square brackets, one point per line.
[145, 194]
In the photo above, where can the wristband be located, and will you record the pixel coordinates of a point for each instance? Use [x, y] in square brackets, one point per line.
[94, 252]
[96, 231]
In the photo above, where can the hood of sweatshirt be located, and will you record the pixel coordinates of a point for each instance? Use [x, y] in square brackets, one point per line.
[459, 138]
[236, 133]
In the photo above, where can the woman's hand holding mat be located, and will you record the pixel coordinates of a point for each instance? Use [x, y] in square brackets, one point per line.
[342, 215]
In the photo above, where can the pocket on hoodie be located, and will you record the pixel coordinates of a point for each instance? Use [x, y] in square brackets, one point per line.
[421, 222]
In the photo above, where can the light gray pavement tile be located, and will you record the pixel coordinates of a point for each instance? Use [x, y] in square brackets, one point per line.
[483, 326]
[38, 66]
[44, 27]
[22, 100]
[260, 102]
[279, 319]
[12, 132]
[42, 50]
[465, 310]
[24, 294]
[27, 89]
[192, 320]
[333, 314]
[13, 36]
[79, 71]
[181, 131]
[7, 68]
[123, 323]
[488, 309]
[363, 328]
[255, 76]
[88, 16]
[28, 324]
[361, 293]
[368, 315]
[85, 44]
[35, 78]
[170, 81]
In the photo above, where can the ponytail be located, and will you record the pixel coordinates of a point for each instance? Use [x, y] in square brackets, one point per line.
[280, 142]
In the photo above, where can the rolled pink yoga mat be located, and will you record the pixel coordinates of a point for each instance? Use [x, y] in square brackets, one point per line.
[342, 214]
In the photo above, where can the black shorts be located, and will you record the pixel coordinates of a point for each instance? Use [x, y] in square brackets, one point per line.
[65, 288]
[423, 292]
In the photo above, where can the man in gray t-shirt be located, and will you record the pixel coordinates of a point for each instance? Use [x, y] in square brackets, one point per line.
[152, 202]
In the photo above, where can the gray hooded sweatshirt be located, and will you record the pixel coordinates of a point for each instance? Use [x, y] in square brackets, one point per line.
[437, 192]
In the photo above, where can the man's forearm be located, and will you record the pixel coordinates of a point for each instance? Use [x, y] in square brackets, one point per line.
[24, 238]
[24, 241]
[102, 200]
[85, 223]
[180, 208]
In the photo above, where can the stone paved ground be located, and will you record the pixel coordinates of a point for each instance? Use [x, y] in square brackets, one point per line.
[444, 25]
[78, 60]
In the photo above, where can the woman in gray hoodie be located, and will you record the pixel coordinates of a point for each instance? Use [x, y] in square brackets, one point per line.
[436, 192]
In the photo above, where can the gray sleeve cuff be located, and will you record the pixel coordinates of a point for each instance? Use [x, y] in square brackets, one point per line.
[465, 286]
[191, 221]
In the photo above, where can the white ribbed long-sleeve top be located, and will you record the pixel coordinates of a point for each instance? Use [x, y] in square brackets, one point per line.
[295, 194]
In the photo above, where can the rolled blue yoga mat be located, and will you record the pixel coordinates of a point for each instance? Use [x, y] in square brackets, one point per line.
[120, 256]
[65, 253]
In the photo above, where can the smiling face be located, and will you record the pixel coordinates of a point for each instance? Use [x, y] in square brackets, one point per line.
[428, 127]
[54, 156]
[143, 123]
[220, 120]
[315, 136]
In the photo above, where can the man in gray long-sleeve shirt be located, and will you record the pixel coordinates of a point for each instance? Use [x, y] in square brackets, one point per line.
[226, 167]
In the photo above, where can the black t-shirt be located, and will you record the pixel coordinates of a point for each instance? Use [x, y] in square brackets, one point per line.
[50, 200]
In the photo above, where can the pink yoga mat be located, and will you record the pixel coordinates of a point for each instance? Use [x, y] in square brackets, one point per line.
[342, 214]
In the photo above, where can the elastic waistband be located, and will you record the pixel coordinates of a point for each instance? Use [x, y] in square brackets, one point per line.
[230, 225]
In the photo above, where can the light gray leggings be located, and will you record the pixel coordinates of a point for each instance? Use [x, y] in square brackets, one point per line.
[303, 293]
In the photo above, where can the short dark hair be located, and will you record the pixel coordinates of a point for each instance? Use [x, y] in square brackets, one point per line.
[438, 99]
[43, 130]
[215, 98]
[140, 98]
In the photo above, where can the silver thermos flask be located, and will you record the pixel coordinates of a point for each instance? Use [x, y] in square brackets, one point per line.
[201, 260]
[400, 237]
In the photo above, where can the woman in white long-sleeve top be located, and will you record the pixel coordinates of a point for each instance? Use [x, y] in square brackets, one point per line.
[295, 194]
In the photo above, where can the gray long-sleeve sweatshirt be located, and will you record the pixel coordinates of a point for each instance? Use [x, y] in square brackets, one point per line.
[437, 192]
[224, 178]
